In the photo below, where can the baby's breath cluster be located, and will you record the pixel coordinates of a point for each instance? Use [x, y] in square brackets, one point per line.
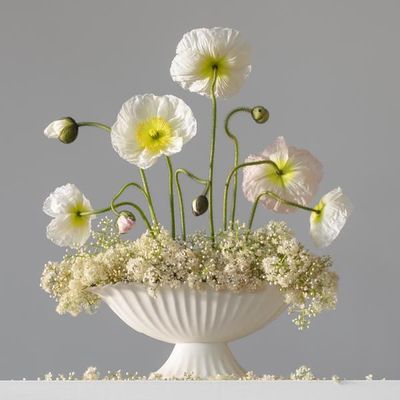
[238, 260]
[303, 373]
[308, 284]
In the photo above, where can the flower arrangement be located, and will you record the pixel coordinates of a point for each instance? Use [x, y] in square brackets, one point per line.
[235, 257]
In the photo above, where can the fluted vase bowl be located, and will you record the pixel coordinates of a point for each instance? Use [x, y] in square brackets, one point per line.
[199, 323]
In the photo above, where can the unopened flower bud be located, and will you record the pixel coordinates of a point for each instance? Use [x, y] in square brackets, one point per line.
[64, 129]
[260, 114]
[200, 205]
[125, 222]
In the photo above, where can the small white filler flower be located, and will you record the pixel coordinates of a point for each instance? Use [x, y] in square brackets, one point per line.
[150, 126]
[203, 52]
[69, 228]
[297, 178]
[334, 209]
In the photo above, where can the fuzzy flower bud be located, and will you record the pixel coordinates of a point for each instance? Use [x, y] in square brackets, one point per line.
[260, 114]
[200, 205]
[125, 222]
[64, 129]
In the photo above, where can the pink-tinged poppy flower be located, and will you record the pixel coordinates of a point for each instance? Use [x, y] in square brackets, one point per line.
[295, 179]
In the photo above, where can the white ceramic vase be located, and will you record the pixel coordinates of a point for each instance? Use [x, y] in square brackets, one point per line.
[199, 323]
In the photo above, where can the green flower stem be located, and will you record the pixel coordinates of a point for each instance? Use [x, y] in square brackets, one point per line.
[278, 198]
[228, 180]
[212, 152]
[149, 198]
[171, 195]
[180, 196]
[113, 208]
[122, 190]
[96, 125]
[134, 184]
[142, 173]
[236, 156]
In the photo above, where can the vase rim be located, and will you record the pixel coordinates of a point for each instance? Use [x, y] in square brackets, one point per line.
[185, 286]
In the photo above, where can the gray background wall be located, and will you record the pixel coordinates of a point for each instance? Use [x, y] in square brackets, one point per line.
[329, 73]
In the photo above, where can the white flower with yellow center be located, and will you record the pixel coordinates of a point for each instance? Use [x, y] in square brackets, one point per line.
[296, 179]
[69, 228]
[150, 126]
[203, 51]
[334, 209]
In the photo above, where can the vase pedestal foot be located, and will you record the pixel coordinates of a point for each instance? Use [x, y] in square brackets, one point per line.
[202, 359]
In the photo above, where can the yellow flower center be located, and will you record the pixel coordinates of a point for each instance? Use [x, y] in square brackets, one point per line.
[317, 217]
[154, 134]
[78, 220]
[209, 63]
[281, 177]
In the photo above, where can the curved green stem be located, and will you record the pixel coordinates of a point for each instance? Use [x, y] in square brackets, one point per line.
[144, 189]
[180, 196]
[212, 153]
[236, 156]
[149, 198]
[278, 198]
[113, 208]
[134, 184]
[96, 125]
[142, 173]
[228, 180]
[171, 195]
[192, 176]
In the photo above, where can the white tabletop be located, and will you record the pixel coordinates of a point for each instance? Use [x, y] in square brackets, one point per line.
[200, 390]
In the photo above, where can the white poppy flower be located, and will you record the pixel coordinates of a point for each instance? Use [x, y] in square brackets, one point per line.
[149, 126]
[203, 50]
[65, 129]
[297, 180]
[68, 227]
[326, 225]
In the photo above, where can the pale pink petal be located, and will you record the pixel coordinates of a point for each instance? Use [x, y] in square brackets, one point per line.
[297, 182]
[125, 224]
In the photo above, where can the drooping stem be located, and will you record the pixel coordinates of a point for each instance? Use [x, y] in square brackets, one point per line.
[212, 153]
[114, 207]
[236, 156]
[278, 198]
[142, 173]
[96, 125]
[180, 195]
[149, 198]
[171, 195]
[134, 184]
[228, 180]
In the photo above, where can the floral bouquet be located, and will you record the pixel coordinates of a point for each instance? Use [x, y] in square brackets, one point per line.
[233, 258]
